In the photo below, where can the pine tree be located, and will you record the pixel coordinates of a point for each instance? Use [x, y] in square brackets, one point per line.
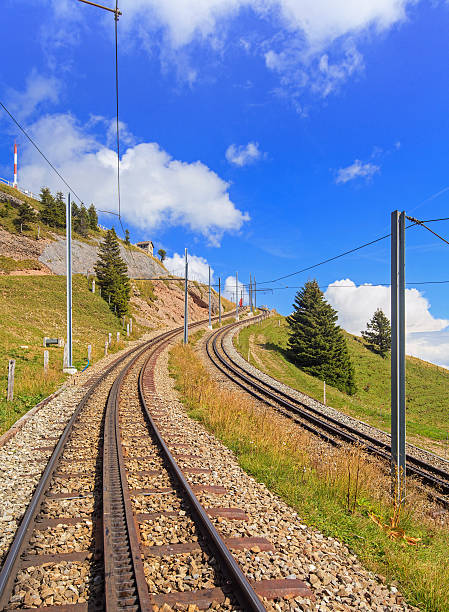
[378, 333]
[83, 222]
[48, 213]
[93, 218]
[60, 209]
[316, 343]
[127, 240]
[25, 216]
[112, 274]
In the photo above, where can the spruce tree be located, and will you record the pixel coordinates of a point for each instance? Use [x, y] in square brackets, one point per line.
[378, 333]
[25, 217]
[112, 274]
[48, 213]
[83, 222]
[316, 343]
[60, 210]
[127, 240]
[93, 218]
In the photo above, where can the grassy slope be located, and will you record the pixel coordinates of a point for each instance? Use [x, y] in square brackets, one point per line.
[426, 384]
[34, 307]
[340, 496]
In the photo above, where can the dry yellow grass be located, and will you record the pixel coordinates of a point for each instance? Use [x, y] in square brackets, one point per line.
[342, 491]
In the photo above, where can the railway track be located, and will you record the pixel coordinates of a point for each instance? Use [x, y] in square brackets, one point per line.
[333, 430]
[118, 480]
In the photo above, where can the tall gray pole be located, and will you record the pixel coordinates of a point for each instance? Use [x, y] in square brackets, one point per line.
[398, 466]
[210, 304]
[255, 294]
[186, 312]
[250, 293]
[69, 280]
[237, 296]
[219, 302]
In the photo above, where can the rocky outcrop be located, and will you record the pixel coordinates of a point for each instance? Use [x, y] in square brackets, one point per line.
[84, 257]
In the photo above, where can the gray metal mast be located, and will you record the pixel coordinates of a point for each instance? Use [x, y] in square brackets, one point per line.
[210, 304]
[255, 294]
[69, 280]
[186, 312]
[219, 301]
[237, 296]
[398, 466]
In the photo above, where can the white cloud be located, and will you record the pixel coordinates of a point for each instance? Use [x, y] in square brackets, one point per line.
[319, 21]
[229, 290]
[157, 190]
[356, 170]
[39, 89]
[198, 267]
[427, 336]
[243, 155]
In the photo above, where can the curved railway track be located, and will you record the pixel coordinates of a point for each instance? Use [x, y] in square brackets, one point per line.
[331, 429]
[90, 486]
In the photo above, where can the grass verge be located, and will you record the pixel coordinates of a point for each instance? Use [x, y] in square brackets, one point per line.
[32, 307]
[266, 345]
[344, 494]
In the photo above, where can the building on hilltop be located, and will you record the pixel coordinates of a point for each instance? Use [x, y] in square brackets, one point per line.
[146, 246]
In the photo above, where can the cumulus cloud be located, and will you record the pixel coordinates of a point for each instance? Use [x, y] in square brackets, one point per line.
[356, 170]
[243, 155]
[39, 89]
[427, 336]
[198, 267]
[229, 290]
[157, 190]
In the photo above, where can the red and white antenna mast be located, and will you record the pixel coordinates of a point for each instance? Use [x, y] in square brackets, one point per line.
[15, 166]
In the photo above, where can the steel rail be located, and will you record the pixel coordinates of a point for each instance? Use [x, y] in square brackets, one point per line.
[437, 478]
[244, 592]
[11, 564]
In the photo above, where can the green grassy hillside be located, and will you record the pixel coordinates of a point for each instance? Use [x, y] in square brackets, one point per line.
[34, 307]
[427, 384]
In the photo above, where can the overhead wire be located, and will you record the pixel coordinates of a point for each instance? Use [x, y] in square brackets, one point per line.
[23, 130]
[422, 224]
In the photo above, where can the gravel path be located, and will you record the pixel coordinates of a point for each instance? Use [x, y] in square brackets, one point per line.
[334, 574]
[415, 451]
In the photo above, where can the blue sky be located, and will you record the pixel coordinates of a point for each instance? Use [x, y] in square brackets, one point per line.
[264, 135]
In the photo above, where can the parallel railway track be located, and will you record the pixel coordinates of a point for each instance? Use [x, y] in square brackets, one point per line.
[95, 473]
[332, 429]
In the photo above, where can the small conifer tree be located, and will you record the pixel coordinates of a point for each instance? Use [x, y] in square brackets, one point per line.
[48, 212]
[378, 333]
[316, 343]
[112, 274]
[127, 240]
[162, 254]
[93, 218]
[26, 215]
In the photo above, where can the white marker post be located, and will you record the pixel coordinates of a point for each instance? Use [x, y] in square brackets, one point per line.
[46, 360]
[11, 370]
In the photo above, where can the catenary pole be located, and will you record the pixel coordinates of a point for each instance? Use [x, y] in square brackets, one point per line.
[250, 293]
[210, 304]
[255, 294]
[237, 296]
[219, 301]
[186, 312]
[69, 280]
[398, 466]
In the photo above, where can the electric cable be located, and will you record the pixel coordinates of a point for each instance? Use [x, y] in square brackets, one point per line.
[422, 224]
[22, 129]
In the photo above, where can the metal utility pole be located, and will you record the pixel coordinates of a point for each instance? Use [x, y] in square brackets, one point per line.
[69, 366]
[398, 467]
[255, 294]
[219, 302]
[186, 312]
[250, 293]
[210, 304]
[237, 296]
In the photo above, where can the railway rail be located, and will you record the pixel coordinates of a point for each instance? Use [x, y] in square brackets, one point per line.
[83, 532]
[333, 430]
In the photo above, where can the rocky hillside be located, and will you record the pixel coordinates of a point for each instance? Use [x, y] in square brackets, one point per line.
[45, 249]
